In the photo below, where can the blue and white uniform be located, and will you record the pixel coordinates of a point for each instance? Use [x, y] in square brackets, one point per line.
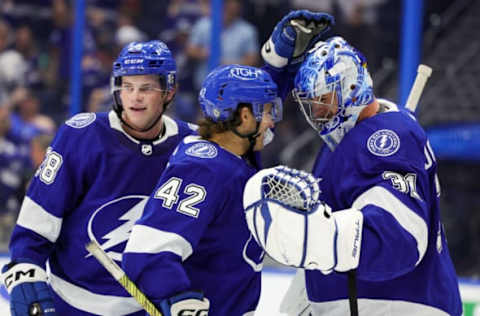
[193, 234]
[386, 168]
[92, 185]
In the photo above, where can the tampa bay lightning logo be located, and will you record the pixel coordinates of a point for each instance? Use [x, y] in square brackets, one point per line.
[202, 150]
[81, 120]
[111, 224]
[383, 143]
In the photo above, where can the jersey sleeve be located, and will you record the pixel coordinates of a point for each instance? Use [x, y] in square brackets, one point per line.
[53, 192]
[283, 78]
[185, 201]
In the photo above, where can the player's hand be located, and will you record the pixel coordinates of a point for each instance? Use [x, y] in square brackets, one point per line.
[293, 36]
[186, 303]
[28, 289]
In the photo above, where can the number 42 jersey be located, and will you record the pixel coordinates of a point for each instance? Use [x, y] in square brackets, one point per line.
[193, 234]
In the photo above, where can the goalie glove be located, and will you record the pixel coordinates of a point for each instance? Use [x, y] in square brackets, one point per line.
[185, 304]
[29, 293]
[296, 33]
[287, 219]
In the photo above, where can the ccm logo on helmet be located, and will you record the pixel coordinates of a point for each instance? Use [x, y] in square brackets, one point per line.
[193, 312]
[245, 73]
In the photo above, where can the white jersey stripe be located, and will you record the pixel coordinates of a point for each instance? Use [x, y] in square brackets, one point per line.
[372, 307]
[85, 300]
[145, 239]
[34, 217]
[407, 218]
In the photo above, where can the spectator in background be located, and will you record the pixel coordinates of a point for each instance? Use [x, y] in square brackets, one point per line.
[239, 41]
[186, 98]
[264, 14]
[25, 44]
[26, 119]
[355, 21]
[60, 53]
[13, 164]
[12, 65]
[176, 29]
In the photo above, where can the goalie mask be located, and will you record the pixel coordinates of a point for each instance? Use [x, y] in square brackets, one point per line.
[142, 58]
[332, 87]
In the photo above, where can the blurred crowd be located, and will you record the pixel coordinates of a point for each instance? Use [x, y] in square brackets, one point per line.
[35, 48]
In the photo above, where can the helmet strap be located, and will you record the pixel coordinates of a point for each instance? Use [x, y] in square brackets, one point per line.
[252, 136]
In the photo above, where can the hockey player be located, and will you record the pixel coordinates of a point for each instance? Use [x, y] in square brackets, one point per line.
[93, 185]
[379, 177]
[192, 250]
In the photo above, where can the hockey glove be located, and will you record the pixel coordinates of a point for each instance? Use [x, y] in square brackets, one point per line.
[28, 289]
[186, 303]
[287, 219]
[296, 33]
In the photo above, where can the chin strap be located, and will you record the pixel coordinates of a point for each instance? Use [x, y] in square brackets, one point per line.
[252, 137]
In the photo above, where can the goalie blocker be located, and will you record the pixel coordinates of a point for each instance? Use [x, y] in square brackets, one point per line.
[295, 228]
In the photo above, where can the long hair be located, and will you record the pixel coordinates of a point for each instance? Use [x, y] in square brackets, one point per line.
[207, 127]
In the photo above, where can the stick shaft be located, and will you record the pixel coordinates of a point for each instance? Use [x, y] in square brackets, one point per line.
[423, 72]
[119, 275]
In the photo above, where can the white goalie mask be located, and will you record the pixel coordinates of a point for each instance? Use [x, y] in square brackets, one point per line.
[332, 87]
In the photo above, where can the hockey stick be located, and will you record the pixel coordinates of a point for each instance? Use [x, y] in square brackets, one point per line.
[423, 72]
[94, 248]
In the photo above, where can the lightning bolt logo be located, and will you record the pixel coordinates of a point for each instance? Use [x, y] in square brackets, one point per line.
[122, 232]
[383, 141]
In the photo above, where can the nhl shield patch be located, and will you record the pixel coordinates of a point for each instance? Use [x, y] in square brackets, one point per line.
[147, 149]
[81, 120]
[383, 143]
[202, 150]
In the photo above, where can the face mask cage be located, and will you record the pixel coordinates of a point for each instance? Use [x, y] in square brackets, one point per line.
[321, 107]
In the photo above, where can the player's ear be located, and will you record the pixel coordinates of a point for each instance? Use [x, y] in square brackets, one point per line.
[245, 114]
[170, 94]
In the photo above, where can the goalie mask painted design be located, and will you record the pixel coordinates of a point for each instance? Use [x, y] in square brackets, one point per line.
[227, 86]
[143, 58]
[334, 76]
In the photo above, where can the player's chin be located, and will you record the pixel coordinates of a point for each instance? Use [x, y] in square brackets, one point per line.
[138, 123]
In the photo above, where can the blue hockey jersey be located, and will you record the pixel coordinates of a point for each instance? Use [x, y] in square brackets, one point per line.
[386, 168]
[193, 234]
[92, 185]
